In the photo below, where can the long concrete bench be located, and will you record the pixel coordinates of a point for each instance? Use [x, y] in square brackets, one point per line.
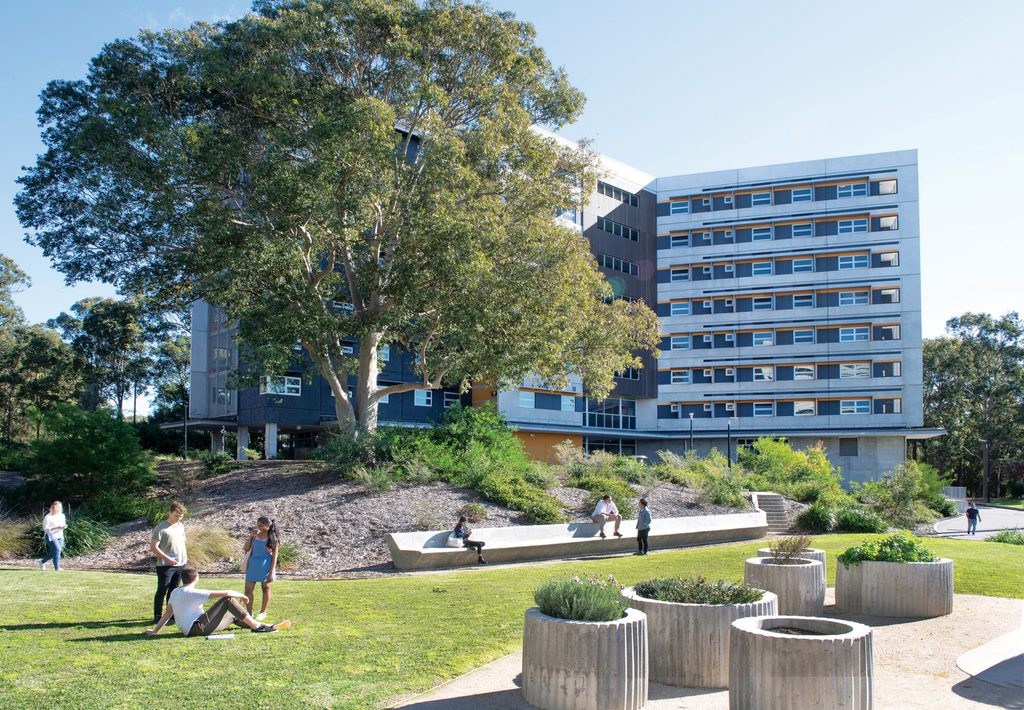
[428, 550]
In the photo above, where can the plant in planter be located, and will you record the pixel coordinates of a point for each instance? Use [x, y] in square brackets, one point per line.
[583, 648]
[799, 582]
[795, 547]
[894, 576]
[688, 625]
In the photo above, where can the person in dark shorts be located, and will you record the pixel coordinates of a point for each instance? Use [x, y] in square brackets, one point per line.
[973, 518]
[643, 528]
[463, 531]
[167, 543]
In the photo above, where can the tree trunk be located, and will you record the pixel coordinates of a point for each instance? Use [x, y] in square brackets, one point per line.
[135, 400]
[342, 406]
[366, 385]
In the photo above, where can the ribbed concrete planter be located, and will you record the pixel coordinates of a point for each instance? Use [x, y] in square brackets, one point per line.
[902, 589]
[690, 642]
[799, 584]
[769, 670]
[808, 553]
[585, 665]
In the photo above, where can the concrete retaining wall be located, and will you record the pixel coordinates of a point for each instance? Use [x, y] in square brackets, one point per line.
[901, 589]
[690, 642]
[585, 665]
[808, 553]
[800, 585]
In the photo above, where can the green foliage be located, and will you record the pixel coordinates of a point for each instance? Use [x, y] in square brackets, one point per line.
[856, 519]
[209, 543]
[785, 549]
[543, 475]
[289, 555]
[600, 485]
[12, 455]
[377, 479]
[113, 507]
[773, 465]
[83, 535]
[474, 512]
[216, 463]
[1011, 537]
[697, 590]
[816, 518]
[942, 505]
[13, 537]
[513, 491]
[898, 547]
[87, 452]
[897, 497]
[714, 480]
[577, 598]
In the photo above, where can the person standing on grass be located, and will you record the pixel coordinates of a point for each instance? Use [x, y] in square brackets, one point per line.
[261, 567]
[606, 511]
[463, 531]
[643, 528]
[973, 518]
[54, 524]
[186, 606]
[167, 543]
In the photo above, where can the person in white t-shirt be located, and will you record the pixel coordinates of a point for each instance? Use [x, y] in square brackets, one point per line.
[54, 524]
[606, 511]
[186, 606]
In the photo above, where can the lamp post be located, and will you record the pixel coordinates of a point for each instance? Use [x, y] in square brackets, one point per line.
[984, 470]
[728, 441]
[691, 431]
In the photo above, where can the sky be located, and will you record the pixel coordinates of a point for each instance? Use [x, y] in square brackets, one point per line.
[681, 86]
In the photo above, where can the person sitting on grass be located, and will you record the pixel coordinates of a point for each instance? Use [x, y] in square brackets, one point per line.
[463, 531]
[606, 511]
[186, 606]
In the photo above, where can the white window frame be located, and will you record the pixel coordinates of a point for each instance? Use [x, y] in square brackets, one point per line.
[679, 207]
[854, 370]
[347, 350]
[679, 308]
[770, 340]
[705, 270]
[854, 406]
[709, 373]
[764, 373]
[852, 226]
[707, 339]
[760, 409]
[423, 398]
[888, 223]
[854, 261]
[885, 190]
[281, 386]
[679, 342]
[854, 298]
[728, 268]
[386, 398]
[803, 226]
[762, 303]
[679, 240]
[568, 403]
[384, 352]
[858, 334]
[730, 372]
[804, 265]
[807, 300]
[892, 293]
[708, 408]
[804, 372]
[757, 199]
[805, 405]
[677, 275]
[708, 305]
[852, 189]
[451, 398]
[757, 268]
[760, 234]
[895, 331]
[889, 258]
[727, 235]
[730, 406]
[705, 202]
[802, 194]
[804, 342]
[680, 377]
[729, 304]
[727, 199]
[730, 337]
[527, 400]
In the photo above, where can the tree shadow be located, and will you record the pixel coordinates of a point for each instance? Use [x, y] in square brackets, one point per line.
[53, 625]
[119, 638]
[984, 693]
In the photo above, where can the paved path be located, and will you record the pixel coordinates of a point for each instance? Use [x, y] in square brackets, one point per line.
[992, 521]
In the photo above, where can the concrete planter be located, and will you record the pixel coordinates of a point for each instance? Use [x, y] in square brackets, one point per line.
[585, 665]
[799, 583]
[828, 666]
[808, 553]
[690, 642]
[901, 589]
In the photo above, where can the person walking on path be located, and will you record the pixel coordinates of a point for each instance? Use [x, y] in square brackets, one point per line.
[643, 527]
[186, 606]
[54, 524]
[463, 531]
[604, 512]
[973, 518]
[167, 543]
[261, 565]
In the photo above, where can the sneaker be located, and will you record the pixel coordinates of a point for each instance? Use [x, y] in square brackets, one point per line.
[42, 566]
[483, 561]
[602, 535]
[637, 554]
[286, 624]
[617, 534]
[261, 616]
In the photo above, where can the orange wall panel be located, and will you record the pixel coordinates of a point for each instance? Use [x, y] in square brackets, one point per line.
[541, 446]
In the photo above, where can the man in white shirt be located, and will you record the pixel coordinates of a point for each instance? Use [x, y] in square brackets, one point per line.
[186, 606]
[604, 512]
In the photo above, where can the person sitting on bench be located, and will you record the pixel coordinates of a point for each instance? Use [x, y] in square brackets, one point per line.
[463, 531]
[606, 511]
[186, 606]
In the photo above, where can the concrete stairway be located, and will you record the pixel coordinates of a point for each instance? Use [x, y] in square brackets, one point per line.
[775, 508]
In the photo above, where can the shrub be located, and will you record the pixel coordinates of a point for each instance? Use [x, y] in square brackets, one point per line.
[582, 599]
[567, 452]
[542, 475]
[209, 543]
[1011, 537]
[216, 463]
[250, 454]
[856, 519]
[943, 506]
[698, 591]
[289, 555]
[156, 510]
[898, 547]
[377, 479]
[113, 507]
[599, 486]
[474, 512]
[786, 549]
[897, 496]
[82, 536]
[14, 538]
[772, 464]
[816, 518]
[12, 455]
[515, 492]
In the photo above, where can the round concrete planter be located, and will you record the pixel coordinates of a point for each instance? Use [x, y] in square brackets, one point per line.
[828, 668]
[901, 589]
[808, 553]
[690, 642]
[585, 665]
[798, 583]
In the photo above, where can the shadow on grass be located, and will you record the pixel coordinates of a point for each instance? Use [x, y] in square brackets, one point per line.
[52, 625]
[118, 638]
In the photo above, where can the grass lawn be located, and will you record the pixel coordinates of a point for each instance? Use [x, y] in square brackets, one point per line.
[1010, 502]
[74, 640]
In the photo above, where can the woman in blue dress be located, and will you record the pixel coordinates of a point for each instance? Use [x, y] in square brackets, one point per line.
[262, 566]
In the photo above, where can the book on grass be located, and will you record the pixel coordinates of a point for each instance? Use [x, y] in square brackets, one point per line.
[219, 637]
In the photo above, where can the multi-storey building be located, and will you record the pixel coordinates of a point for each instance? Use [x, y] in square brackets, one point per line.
[789, 297]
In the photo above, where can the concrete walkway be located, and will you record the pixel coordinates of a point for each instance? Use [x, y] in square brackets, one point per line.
[992, 521]
[915, 667]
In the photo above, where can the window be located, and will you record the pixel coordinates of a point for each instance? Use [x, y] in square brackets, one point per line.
[680, 342]
[707, 339]
[730, 407]
[708, 408]
[802, 194]
[680, 377]
[847, 447]
[568, 403]
[221, 396]
[618, 229]
[730, 372]
[619, 194]
[764, 338]
[680, 207]
[676, 409]
[804, 229]
[853, 298]
[760, 234]
[386, 398]
[451, 399]
[288, 386]
[853, 335]
[705, 202]
[221, 356]
[761, 268]
[527, 400]
[616, 264]
[612, 413]
[729, 337]
[889, 406]
[889, 295]
[891, 369]
[680, 308]
[853, 189]
[706, 270]
[728, 304]
[888, 223]
[803, 336]
[803, 372]
[761, 198]
[849, 226]
[803, 266]
[709, 373]
[680, 275]
[728, 268]
[423, 398]
[680, 240]
[890, 332]
[803, 300]
[764, 409]
[706, 305]
[727, 200]
[763, 303]
[853, 261]
[764, 374]
[803, 408]
[384, 353]
[854, 369]
[630, 373]
[887, 187]
[855, 406]
[889, 258]
[347, 350]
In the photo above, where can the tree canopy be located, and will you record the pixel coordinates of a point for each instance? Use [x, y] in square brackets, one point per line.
[341, 170]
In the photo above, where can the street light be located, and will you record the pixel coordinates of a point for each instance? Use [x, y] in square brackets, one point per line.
[691, 431]
[984, 468]
[728, 441]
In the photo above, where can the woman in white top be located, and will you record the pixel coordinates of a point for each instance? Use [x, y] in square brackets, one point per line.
[54, 524]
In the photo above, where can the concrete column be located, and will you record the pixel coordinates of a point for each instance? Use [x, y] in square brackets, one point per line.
[243, 442]
[216, 441]
[270, 439]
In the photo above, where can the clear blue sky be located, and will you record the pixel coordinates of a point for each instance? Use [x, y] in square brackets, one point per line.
[675, 87]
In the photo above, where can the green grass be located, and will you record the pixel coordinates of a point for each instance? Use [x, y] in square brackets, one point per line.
[74, 640]
[1010, 502]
